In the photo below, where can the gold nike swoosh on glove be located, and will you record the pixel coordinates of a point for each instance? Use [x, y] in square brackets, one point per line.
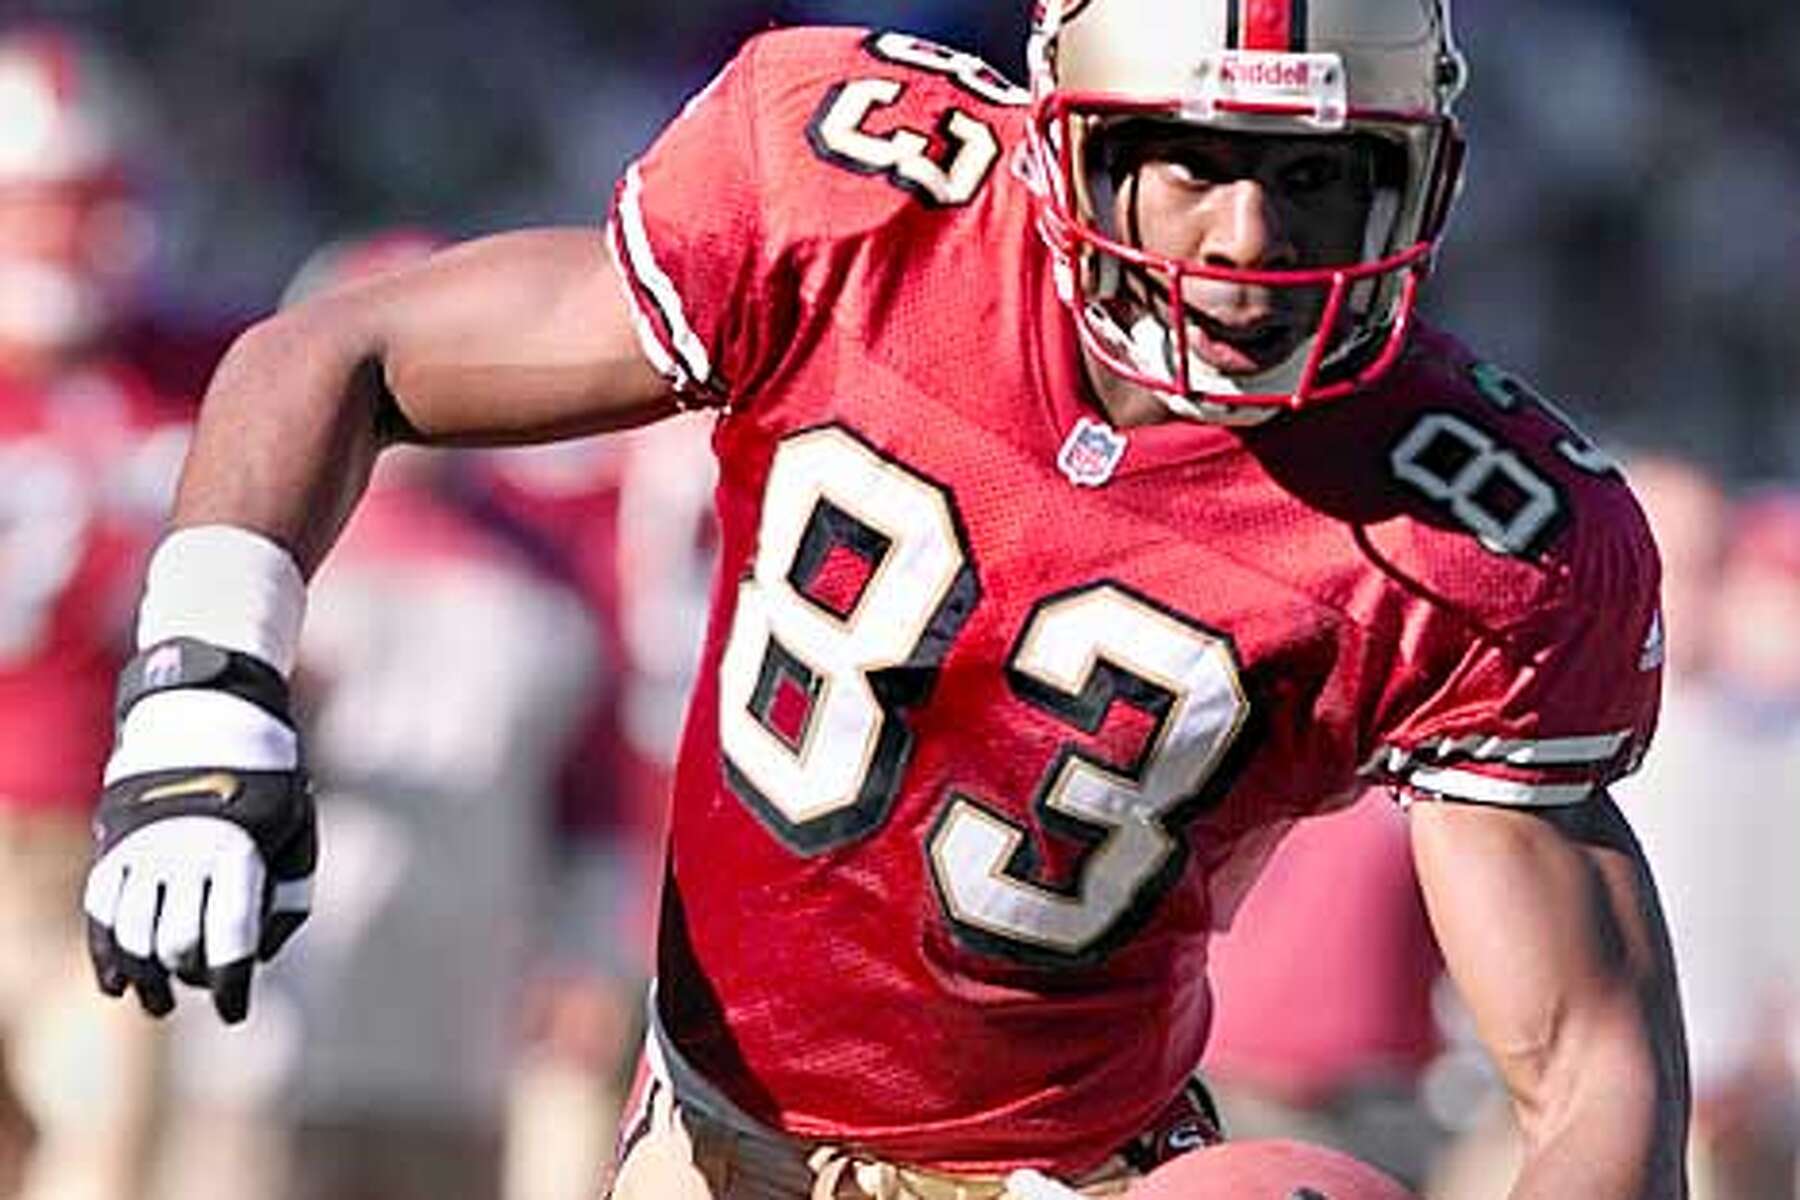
[220, 785]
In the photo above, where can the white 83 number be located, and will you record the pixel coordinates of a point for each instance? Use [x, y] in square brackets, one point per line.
[859, 584]
[1488, 488]
[861, 580]
[1080, 653]
[968, 71]
[904, 156]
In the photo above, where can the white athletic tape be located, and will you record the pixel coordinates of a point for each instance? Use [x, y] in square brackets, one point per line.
[228, 586]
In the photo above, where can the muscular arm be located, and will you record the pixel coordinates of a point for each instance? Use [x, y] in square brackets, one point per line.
[1550, 926]
[514, 338]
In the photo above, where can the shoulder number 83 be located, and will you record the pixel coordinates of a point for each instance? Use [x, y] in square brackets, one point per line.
[838, 131]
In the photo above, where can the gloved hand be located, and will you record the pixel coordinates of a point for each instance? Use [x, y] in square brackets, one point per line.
[205, 841]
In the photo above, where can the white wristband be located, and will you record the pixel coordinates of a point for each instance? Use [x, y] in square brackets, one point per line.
[228, 586]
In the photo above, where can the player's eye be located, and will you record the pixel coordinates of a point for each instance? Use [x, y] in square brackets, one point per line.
[1312, 175]
[1196, 165]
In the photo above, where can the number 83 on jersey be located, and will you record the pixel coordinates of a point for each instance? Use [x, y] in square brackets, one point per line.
[861, 582]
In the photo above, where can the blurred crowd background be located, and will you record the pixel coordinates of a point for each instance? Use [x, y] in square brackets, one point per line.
[497, 655]
[1628, 233]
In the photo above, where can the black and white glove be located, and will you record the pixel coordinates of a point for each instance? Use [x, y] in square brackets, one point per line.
[205, 840]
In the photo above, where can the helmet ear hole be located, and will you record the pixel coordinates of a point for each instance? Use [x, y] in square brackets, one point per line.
[1452, 74]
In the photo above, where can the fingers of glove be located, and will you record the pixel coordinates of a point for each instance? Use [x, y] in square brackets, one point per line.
[134, 935]
[190, 968]
[151, 982]
[134, 920]
[234, 902]
[178, 925]
[230, 986]
[276, 932]
[103, 952]
[100, 900]
[179, 892]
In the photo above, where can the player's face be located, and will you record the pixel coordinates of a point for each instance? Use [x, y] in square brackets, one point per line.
[43, 222]
[62, 248]
[1248, 202]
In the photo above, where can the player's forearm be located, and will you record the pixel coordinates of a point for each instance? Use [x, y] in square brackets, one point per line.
[1609, 1124]
[1574, 1165]
[1603, 1100]
[286, 436]
[1605, 1108]
[1550, 925]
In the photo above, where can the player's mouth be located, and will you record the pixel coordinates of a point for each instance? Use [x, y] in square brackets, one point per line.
[1240, 347]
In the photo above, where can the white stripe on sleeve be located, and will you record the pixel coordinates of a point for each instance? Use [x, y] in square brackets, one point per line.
[1489, 789]
[641, 263]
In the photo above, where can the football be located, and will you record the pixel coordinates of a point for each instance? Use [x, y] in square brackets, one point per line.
[1266, 1169]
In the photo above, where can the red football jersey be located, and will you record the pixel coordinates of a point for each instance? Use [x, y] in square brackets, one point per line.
[1002, 708]
[87, 467]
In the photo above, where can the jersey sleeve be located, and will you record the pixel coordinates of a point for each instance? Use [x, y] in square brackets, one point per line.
[1549, 710]
[686, 233]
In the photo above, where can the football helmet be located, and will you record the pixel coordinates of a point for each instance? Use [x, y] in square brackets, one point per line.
[1387, 69]
[1266, 1169]
[76, 233]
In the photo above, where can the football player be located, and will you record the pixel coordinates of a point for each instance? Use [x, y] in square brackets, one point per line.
[95, 395]
[1092, 507]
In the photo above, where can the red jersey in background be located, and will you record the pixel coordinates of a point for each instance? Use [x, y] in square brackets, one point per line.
[87, 467]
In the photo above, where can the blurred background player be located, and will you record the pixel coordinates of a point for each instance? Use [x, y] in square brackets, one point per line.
[1714, 805]
[627, 521]
[1740, 896]
[1324, 1026]
[95, 391]
[1703, 823]
[380, 1061]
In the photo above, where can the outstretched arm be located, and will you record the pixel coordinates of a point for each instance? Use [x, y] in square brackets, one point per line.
[513, 338]
[205, 843]
[1550, 926]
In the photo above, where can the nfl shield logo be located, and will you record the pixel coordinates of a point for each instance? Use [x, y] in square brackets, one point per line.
[1090, 453]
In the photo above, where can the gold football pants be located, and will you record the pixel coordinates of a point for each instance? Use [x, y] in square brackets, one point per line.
[681, 1154]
